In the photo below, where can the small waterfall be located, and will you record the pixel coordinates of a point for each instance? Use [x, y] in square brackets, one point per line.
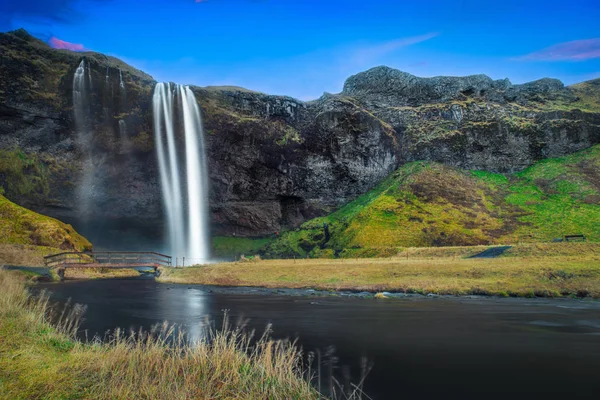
[123, 138]
[185, 200]
[80, 97]
[81, 110]
[122, 128]
[107, 75]
[121, 85]
[89, 75]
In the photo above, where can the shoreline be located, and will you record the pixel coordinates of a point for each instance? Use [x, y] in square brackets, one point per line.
[524, 271]
[319, 293]
[315, 292]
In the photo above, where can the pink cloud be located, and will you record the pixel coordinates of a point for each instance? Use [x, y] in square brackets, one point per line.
[61, 44]
[576, 50]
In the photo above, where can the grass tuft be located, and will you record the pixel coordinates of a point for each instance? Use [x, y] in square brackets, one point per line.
[39, 359]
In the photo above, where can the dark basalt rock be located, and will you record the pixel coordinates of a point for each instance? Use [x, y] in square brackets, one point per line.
[388, 87]
[274, 161]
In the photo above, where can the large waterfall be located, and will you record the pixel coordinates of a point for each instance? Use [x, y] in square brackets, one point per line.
[179, 142]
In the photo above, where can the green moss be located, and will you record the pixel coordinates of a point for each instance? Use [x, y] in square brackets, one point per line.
[425, 131]
[490, 178]
[23, 175]
[19, 225]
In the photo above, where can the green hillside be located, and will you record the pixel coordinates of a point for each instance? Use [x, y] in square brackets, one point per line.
[20, 226]
[428, 204]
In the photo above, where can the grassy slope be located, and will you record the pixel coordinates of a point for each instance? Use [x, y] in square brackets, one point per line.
[564, 269]
[39, 360]
[21, 226]
[588, 94]
[427, 204]
[26, 237]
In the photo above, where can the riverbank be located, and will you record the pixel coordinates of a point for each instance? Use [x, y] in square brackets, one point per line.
[43, 360]
[549, 270]
[99, 273]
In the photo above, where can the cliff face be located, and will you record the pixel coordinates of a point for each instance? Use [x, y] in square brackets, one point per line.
[274, 161]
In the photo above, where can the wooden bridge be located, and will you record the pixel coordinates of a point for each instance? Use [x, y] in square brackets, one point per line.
[108, 259]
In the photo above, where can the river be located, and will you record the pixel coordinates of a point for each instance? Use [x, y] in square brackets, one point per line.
[419, 347]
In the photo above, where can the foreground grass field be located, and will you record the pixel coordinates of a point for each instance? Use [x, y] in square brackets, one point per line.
[42, 361]
[549, 270]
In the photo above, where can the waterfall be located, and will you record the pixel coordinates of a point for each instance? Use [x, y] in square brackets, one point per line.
[79, 96]
[123, 138]
[121, 85]
[107, 75]
[122, 128]
[81, 110]
[89, 75]
[185, 200]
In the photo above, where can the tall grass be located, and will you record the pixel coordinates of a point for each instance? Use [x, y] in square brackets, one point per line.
[40, 357]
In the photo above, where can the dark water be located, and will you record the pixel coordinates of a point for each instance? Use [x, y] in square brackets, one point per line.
[425, 348]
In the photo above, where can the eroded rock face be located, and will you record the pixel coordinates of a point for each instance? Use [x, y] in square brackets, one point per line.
[274, 161]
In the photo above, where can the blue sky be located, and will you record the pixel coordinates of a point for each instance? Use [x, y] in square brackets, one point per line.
[303, 48]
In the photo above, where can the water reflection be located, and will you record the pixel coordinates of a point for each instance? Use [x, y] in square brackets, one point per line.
[445, 348]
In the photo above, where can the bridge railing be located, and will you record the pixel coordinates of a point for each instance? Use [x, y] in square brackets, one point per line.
[139, 258]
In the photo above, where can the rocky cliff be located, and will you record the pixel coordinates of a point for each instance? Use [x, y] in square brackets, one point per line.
[274, 161]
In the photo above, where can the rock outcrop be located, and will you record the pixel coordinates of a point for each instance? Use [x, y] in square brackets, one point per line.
[274, 161]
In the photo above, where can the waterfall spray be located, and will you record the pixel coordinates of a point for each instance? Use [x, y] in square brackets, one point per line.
[121, 85]
[187, 216]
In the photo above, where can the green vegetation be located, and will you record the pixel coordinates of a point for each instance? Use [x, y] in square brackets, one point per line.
[40, 360]
[33, 178]
[588, 94]
[425, 131]
[560, 196]
[428, 204]
[21, 226]
[40, 68]
[22, 174]
[224, 246]
[548, 270]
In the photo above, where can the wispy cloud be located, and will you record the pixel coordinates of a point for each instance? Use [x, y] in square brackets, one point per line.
[576, 50]
[366, 54]
[51, 11]
[62, 44]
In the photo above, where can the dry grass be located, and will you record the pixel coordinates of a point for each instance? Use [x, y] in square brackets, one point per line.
[24, 255]
[41, 360]
[99, 273]
[558, 270]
